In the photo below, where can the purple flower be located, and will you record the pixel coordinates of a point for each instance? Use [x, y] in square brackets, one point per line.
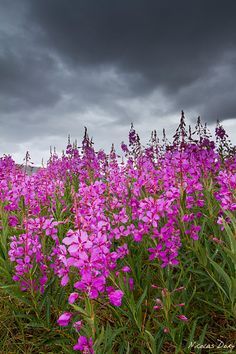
[115, 297]
[182, 318]
[73, 297]
[13, 221]
[84, 345]
[64, 280]
[126, 269]
[78, 325]
[124, 147]
[131, 283]
[64, 319]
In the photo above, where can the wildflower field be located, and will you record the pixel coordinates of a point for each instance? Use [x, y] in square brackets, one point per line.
[100, 254]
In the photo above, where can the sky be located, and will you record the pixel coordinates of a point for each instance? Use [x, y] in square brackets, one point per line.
[104, 64]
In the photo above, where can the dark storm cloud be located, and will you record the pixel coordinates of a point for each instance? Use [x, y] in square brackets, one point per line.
[33, 76]
[22, 79]
[213, 95]
[66, 64]
[169, 44]
[161, 45]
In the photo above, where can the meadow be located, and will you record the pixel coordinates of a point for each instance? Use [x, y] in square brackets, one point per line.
[100, 254]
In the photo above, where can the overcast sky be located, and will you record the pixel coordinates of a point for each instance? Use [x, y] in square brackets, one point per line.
[66, 64]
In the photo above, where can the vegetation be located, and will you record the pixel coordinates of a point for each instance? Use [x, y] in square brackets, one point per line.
[99, 255]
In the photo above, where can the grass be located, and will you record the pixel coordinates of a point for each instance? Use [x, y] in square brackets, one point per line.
[185, 309]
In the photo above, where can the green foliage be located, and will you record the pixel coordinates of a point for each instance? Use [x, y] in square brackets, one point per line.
[206, 278]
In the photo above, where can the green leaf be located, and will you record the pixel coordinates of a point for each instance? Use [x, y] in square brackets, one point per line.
[223, 274]
[230, 254]
[99, 339]
[201, 339]
[142, 297]
[218, 285]
[35, 324]
[152, 342]
[218, 307]
[191, 337]
[233, 289]
[79, 309]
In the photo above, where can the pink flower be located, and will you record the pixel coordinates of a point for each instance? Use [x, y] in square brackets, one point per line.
[64, 319]
[216, 240]
[64, 280]
[131, 283]
[115, 297]
[78, 325]
[91, 285]
[109, 289]
[84, 345]
[182, 318]
[13, 221]
[181, 288]
[180, 305]
[126, 269]
[73, 297]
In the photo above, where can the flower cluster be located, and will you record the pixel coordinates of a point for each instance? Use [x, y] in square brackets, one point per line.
[80, 217]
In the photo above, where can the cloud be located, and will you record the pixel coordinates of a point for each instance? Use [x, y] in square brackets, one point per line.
[168, 44]
[214, 95]
[105, 64]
